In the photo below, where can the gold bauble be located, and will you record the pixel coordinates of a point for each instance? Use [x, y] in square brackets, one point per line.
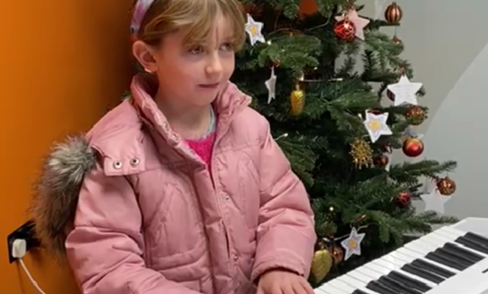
[297, 100]
[393, 13]
[321, 264]
[446, 186]
[362, 154]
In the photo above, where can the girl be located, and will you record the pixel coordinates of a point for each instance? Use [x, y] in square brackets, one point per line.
[180, 189]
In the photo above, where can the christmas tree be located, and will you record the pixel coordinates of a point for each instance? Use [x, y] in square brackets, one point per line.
[338, 125]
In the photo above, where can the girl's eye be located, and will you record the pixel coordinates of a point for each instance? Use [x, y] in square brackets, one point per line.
[196, 50]
[228, 47]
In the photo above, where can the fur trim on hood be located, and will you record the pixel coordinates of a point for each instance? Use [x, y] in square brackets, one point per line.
[56, 198]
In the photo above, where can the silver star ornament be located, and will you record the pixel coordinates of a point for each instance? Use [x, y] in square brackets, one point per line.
[434, 201]
[254, 30]
[353, 243]
[405, 91]
[376, 125]
[271, 86]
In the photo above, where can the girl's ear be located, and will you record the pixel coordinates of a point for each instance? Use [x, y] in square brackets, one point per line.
[144, 55]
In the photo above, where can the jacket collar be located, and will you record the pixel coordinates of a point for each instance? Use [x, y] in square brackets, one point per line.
[229, 102]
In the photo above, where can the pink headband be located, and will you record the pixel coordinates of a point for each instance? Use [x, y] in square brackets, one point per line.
[140, 10]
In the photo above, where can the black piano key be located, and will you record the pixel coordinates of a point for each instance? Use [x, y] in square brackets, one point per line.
[444, 261]
[473, 255]
[408, 281]
[472, 245]
[463, 262]
[477, 238]
[433, 268]
[398, 287]
[382, 289]
[357, 291]
[460, 254]
[422, 273]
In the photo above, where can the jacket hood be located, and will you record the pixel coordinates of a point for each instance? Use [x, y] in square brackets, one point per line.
[57, 190]
[56, 193]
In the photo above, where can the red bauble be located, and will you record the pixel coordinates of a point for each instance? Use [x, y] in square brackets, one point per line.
[404, 199]
[381, 160]
[345, 30]
[413, 147]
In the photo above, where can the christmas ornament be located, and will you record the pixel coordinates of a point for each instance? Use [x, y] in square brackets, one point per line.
[381, 160]
[345, 30]
[353, 243]
[446, 186]
[337, 254]
[361, 153]
[393, 13]
[413, 147]
[405, 92]
[404, 199]
[253, 29]
[321, 264]
[415, 115]
[390, 95]
[271, 86]
[254, 9]
[297, 99]
[358, 22]
[396, 40]
[376, 125]
[433, 200]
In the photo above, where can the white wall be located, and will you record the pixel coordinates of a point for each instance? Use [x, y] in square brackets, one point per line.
[447, 44]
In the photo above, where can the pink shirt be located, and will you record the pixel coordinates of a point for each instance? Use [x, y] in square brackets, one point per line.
[203, 147]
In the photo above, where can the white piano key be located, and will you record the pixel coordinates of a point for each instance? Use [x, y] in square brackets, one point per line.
[352, 282]
[342, 286]
[327, 289]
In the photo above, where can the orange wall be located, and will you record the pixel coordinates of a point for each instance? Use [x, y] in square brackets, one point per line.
[63, 63]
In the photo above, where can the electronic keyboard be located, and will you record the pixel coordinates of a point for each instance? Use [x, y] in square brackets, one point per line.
[449, 260]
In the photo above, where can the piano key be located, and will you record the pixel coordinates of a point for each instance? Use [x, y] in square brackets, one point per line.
[469, 254]
[422, 273]
[457, 237]
[449, 238]
[380, 288]
[399, 276]
[455, 256]
[359, 292]
[354, 283]
[477, 238]
[446, 260]
[472, 245]
[367, 275]
[433, 268]
[424, 252]
[397, 286]
[408, 281]
[336, 283]
[395, 267]
[327, 289]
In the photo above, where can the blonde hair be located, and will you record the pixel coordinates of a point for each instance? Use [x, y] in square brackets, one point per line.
[166, 16]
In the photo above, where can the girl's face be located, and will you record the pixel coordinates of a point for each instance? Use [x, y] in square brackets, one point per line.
[194, 76]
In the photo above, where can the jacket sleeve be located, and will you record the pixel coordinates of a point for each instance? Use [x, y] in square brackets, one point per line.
[105, 247]
[285, 234]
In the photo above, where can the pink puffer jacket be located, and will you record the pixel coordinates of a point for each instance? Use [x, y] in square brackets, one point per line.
[148, 217]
